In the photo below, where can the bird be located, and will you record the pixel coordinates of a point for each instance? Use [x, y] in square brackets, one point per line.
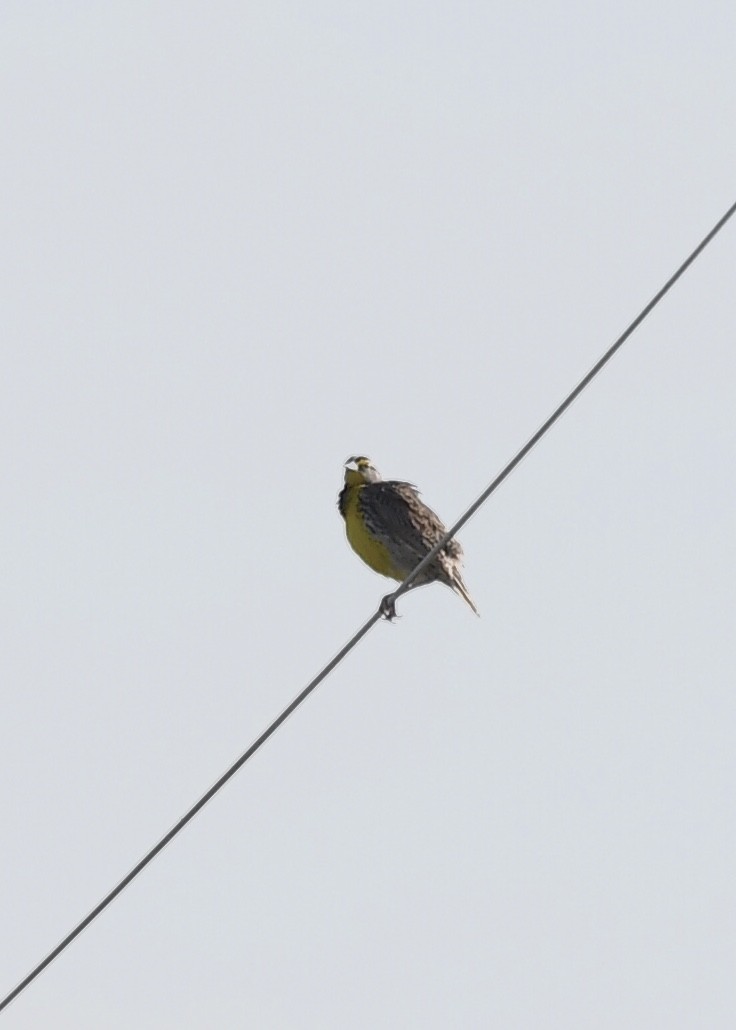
[392, 529]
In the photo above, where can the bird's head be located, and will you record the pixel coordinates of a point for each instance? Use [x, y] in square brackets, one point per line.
[360, 470]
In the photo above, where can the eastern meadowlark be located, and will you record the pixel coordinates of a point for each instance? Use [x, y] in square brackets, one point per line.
[391, 529]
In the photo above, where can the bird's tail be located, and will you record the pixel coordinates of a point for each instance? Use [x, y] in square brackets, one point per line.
[459, 587]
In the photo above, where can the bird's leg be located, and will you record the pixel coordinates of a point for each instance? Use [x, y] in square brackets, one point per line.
[387, 608]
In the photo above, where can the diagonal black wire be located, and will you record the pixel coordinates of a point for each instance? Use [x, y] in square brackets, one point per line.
[256, 745]
[562, 408]
[190, 814]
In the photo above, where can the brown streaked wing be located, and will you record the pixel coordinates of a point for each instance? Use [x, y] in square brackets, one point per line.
[396, 514]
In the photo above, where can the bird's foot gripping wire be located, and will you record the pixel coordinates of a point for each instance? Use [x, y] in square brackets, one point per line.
[387, 608]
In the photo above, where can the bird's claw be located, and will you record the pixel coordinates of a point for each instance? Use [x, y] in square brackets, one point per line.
[387, 608]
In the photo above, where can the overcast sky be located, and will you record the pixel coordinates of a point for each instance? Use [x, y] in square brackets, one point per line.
[240, 243]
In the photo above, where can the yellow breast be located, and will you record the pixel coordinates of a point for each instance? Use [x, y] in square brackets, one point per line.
[365, 545]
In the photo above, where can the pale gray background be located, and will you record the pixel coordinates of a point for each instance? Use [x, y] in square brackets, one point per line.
[239, 243]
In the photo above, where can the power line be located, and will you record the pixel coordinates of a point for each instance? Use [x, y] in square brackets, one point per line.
[562, 408]
[344, 651]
